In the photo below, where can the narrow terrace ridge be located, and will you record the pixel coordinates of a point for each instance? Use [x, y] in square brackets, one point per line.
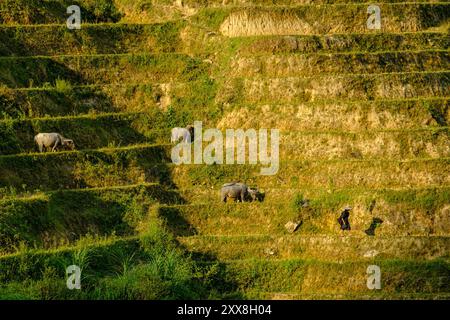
[317, 246]
[76, 152]
[239, 21]
[395, 218]
[131, 147]
[119, 38]
[284, 194]
[336, 296]
[101, 69]
[63, 57]
[443, 72]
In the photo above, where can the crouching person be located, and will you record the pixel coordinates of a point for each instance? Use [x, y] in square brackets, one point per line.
[343, 219]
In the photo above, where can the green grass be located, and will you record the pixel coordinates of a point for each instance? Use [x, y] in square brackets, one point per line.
[91, 39]
[87, 168]
[364, 87]
[165, 38]
[317, 246]
[334, 114]
[147, 163]
[219, 3]
[147, 97]
[54, 11]
[403, 17]
[110, 267]
[88, 132]
[363, 116]
[420, 15]
[320, 218]
[98, 69]
[358, 63]
[305, 276]
[325, 173]
[146, 267]
[121, 130]
[63, 217]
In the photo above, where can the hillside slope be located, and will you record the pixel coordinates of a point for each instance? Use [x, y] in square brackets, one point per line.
[364, 120]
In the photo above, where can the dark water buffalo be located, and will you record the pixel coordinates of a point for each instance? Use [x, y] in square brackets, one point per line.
[240, 192]
[54, 141]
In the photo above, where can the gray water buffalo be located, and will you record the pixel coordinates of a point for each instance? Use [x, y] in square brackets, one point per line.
[240, 192]
[54, 141]
[185, 135]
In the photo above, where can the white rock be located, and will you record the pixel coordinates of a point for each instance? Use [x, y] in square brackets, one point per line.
[291, 227]
[371, 254]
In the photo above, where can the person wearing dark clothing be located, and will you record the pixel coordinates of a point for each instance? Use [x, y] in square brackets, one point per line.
[343, 219]
[375, 223]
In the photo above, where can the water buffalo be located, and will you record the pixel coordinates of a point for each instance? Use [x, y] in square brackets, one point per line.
[240, 192]
[54, 141]
[185, 135]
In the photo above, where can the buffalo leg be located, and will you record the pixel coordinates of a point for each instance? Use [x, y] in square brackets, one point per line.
[55, 146]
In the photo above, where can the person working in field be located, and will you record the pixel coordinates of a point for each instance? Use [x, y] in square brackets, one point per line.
[343, 219]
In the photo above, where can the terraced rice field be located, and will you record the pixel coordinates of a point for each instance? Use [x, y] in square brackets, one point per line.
[363, 117]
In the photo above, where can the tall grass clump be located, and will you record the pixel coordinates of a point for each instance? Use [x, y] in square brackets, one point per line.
[63, 86]
[166, 274]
